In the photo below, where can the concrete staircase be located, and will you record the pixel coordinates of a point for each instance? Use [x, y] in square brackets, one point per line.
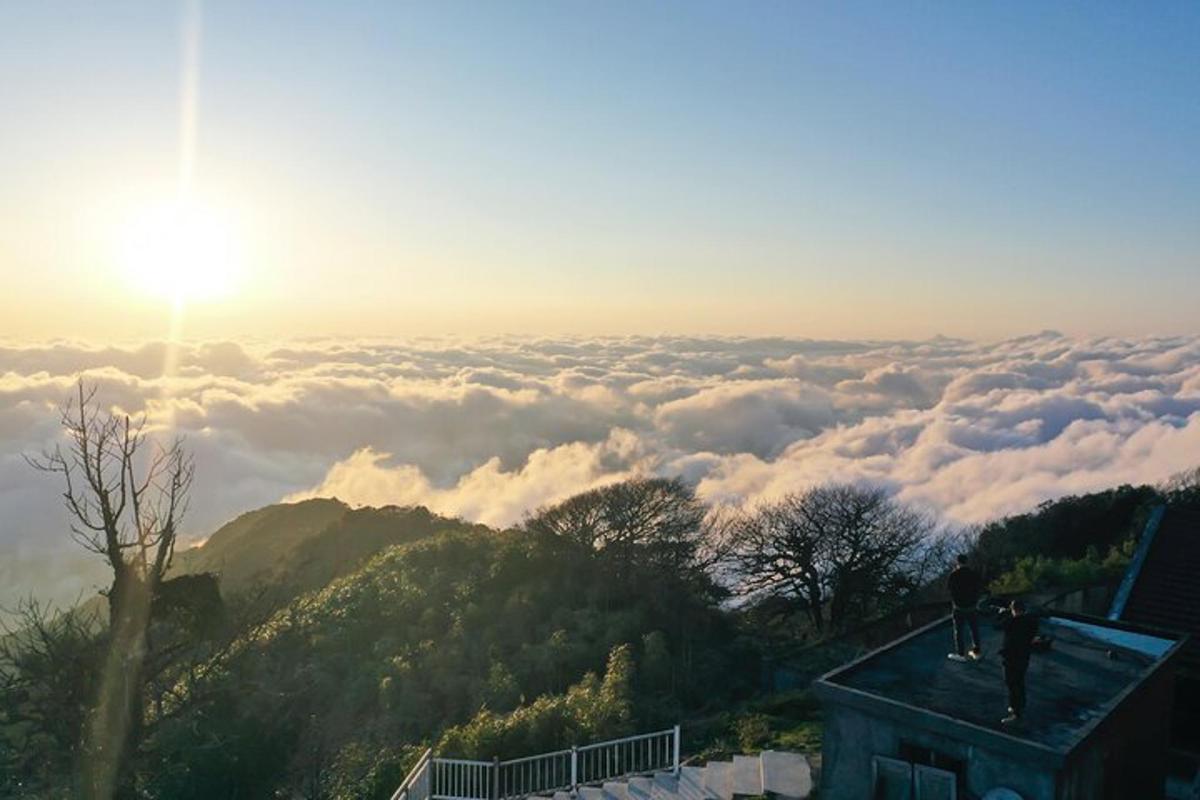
[783, 775]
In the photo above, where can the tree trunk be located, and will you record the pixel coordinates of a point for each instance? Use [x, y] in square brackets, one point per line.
[117, 718]
[816, 615]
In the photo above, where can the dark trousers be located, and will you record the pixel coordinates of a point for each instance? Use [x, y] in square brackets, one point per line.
[965, 618]
[1014, 678]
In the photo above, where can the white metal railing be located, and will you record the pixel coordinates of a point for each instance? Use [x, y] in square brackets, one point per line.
[459, 779]
[629, 756]
[436, 778]
[416, 783]
[546, 772]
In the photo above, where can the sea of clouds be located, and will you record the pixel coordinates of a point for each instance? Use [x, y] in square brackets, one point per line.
[490, 429]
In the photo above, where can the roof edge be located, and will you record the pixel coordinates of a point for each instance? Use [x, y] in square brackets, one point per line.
[1125, 590]
[828, 687]
[849, 665]
[942, 724]
[1167, 661]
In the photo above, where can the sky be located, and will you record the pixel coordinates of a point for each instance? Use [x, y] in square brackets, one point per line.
[481, 256]
[847, 170]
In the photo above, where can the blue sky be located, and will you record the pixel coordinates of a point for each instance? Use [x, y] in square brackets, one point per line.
[808, 169]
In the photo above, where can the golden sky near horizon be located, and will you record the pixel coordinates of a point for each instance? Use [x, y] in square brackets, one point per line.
[205, 171]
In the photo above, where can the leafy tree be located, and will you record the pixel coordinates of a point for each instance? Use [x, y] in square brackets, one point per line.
[502, 692]
[590, 710]
[1041, 572]
[1066, 528]
[659, 521]
[48, 681]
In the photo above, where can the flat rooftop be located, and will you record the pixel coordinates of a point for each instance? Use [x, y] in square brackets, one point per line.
[1090, 663]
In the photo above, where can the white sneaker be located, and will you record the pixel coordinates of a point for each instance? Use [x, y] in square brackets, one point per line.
[1011, 718]
[975, 654]
[956, 657]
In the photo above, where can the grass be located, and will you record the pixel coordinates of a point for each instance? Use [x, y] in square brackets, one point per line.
[783, 721]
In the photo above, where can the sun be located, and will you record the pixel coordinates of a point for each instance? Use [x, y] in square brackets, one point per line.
[181, 252]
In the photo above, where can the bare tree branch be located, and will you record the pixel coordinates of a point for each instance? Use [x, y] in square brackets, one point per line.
[125, 495]
[841, 550]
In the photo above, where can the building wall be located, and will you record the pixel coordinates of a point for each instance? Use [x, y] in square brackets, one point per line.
[852, 738]
[849, 740]
[1126, 756]
[988, 770]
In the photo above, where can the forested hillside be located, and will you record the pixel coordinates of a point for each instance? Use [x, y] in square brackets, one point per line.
[292, 548]
[266, 557]
[347, 639]
[424, 636]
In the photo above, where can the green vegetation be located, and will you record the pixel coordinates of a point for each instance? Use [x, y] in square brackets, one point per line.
[1032, 573]
[290, 549]
[348, 640]
[780, 721]
[1070, 543]
[592, 710]
[484, 639]
[1068, 528]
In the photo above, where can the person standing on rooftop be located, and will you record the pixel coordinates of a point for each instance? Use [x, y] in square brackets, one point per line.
[966, 587]
[1020, 630]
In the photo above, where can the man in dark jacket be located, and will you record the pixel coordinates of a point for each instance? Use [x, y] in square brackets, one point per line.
[966, 586]
[1020, 630]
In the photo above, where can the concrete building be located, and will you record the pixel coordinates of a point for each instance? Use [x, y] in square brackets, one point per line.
[1161, 589]
[906, 723]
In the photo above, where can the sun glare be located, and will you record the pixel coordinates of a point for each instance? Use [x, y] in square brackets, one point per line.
[180, 252]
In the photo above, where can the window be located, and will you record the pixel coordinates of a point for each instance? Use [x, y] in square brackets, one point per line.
[934, 784]
[928, 757]
[893, 779]
[920, 774]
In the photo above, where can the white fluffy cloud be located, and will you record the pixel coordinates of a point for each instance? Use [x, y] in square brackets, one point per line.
[491, 429]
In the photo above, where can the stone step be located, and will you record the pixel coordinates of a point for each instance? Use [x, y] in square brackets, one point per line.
[641, 788]
[688, 786]
[691, 778]
[786, 774]
[617, 790]
[747, 776]
[718, 779]
[592, 793]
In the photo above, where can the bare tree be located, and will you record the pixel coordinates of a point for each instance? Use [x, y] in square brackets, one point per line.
[780, 551]
[841, 550]
[125, 503]
[125, 494]
[1183, 488]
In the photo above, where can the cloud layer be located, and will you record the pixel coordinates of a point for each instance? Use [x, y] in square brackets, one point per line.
[490, 429]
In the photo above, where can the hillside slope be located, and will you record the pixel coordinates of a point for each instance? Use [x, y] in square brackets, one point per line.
[288, 549]
[257, 545]
[424, 636]
[300, 547]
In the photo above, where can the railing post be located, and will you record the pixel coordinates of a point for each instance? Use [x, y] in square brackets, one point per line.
[574, 769]
[676, 751]
[495, 777]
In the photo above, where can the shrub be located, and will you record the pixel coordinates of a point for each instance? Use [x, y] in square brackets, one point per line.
[1041, 572]
[590, 710]
[753, 731]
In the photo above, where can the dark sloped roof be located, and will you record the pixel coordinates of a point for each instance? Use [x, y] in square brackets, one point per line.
[1165, 591]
